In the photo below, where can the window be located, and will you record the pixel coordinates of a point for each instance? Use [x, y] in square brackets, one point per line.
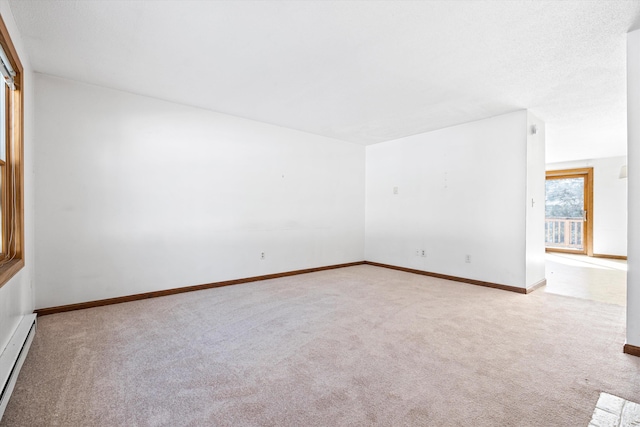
[569, 211]
[11, 155]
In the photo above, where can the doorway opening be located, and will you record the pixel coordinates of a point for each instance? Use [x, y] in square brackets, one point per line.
[569, 211]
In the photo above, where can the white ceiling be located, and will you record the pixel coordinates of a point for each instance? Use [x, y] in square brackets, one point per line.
[359, 71]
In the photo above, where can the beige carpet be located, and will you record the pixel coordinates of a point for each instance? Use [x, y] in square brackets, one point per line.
[357, 346]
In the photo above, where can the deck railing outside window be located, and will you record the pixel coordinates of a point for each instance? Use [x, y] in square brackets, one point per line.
[564, 232]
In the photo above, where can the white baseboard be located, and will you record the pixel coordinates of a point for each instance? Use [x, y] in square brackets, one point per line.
[13, 356]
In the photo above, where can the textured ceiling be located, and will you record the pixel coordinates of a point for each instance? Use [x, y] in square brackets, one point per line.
[358, 71]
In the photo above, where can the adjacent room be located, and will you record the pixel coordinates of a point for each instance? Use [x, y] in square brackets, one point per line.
[319, 213]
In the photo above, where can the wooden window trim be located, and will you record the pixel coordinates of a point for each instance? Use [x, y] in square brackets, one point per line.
[588, 174]
[13, 182]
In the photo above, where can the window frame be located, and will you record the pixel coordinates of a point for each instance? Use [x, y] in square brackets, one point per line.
[587, 175]
[12, 189]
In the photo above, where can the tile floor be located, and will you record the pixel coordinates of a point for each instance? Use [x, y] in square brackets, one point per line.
[614, 411]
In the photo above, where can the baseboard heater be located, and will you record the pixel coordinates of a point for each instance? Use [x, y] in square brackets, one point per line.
[13, 356]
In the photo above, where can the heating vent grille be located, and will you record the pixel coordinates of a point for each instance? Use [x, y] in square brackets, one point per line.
[13, 356]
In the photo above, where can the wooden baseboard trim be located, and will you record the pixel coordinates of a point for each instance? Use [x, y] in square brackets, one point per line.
[154, 294]
[610, 256]
[565, 251]
[455, 278]
[537, 285]
[632, 350]
[166, 292]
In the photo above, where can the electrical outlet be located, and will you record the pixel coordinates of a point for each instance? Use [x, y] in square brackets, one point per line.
[424, 254]
[467, 259]
[417, 252]
[261, 255]
[395, 190]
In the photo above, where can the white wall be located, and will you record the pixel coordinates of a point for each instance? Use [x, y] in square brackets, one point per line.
[535, 259]
[16, 296]
[135, 194]
[633, 155]
[461, 190]
[609, 203]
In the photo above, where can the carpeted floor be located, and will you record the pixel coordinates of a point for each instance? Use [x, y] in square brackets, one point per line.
[357, 346]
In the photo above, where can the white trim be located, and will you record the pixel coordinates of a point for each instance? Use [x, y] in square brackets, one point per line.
[13, 357]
